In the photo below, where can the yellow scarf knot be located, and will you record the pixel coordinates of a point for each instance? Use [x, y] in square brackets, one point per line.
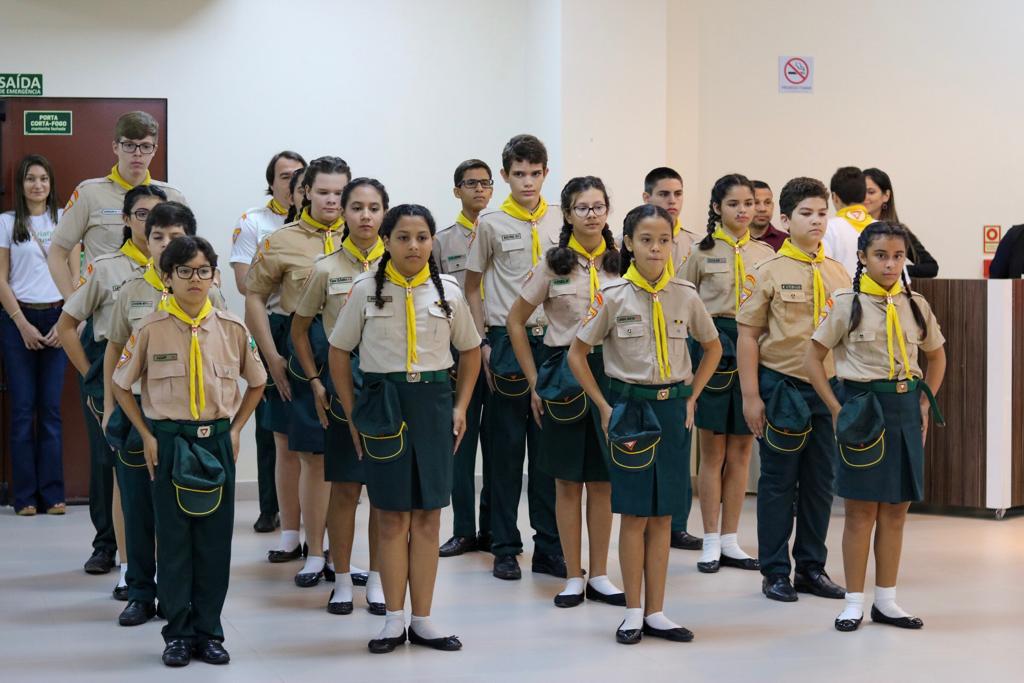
[516, 210]
[153, 278]
[408, 284]
[376, 251]
[892, 322]
[790, 250]
[657, 315]
[595, 281]
[195, 354]
[738, 268]
[328, 230]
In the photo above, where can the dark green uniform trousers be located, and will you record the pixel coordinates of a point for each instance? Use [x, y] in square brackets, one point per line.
[101, 457]
[266, 460]
[194, 553]
[511, 432]
[464, 470]
[139, 531]
[813, 469]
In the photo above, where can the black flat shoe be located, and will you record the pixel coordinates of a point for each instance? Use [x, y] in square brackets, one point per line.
[382, 646]
[100, 562]
[309, 579]
[554, 565]
[278, 556]
[377, 609]
[630, 636]
[177, 652]
[899, 622]
[457, 545]
[711, 567]
[483, 541]
[211, 652]
[816, 582]
[360, 578]
[676, 635]
[136, 612]
[848, 625]
[750, 564]
[329, 574]
[506, 567]
[444, 643]
[569, 600]
[617, 599]
[685, 541]
[777, 587]
[120, 593]
[341, 608]
[264, 524]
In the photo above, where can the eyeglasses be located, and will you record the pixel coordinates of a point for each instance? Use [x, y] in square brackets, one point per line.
[596, 209]
[472, 184]
[186, 272]
[130, 147]
[141, 214]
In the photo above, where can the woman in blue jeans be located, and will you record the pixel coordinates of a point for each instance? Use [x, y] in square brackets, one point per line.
[33, 360]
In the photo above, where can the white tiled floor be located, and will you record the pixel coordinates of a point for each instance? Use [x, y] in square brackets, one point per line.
[962, 576]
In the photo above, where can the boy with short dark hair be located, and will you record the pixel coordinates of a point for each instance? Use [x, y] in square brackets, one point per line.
[849, 188]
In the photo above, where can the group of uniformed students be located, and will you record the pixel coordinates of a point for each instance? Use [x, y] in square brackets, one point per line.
[390, 351]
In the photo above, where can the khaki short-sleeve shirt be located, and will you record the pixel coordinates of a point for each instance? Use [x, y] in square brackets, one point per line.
[713, 272]
[96, 297]
[135, 301]
[329, 284]
[451, 251]
[565, 298]
[284, 262]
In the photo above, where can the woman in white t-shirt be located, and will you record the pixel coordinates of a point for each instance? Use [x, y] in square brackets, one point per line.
[33, 360]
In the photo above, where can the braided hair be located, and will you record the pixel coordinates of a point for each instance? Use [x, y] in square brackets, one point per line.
[391, 219]
[875, 231]
[562, 259]
[629, 224]
[329, 165]
[718, 192]
[293, 210]
[356, 183]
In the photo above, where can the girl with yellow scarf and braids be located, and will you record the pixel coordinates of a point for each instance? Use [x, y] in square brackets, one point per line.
[646, 406]
[877, 332]
[722, 267]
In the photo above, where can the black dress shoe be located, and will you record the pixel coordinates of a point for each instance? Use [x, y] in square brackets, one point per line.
[444, 643]
[554, 565]
[815, 581]
[848, 625]
[457, 545]
[711, 567]
[750, 563]
[381, 646]
[308, 579]
[676, 635]
[278, 556]
[136, 612]
[341, 608]
[100, 562]
[572, 600]
[483, 541]
[360, 578]
[177, 652]
[506, 567]
[617, 599]
[685, 541]
[630, 636]
[377, 609]
[264, 524]
[120, 593]
[211, 652]
[899, 622]
[778, 587]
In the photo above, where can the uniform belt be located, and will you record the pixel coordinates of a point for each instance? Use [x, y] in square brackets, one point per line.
[41, 307]
[428, 377]
[902, 386]
[197, 430]
[531, 330]
[650, 393]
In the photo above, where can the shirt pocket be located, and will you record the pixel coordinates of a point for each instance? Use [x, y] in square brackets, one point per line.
[862, 336]
[438, 324]
[381, 322]
[137, 310]
[794, 305]
[300, 276]
[631, 337]
[677, 336]
[227, 380]
[454, 263]
[167, 384]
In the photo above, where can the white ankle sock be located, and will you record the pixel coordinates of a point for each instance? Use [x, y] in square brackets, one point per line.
[394, 624]
[573, 586]
[342, 591]
[289, 539]
[355, 570]
[330, 565]
[634, 619]
[424, 628]
[732, 549]
[314, 564]
[712, 548]
[374, 589]
[660, 621]
[854, 607]
[124, 572]
[885, 601]
[603, 585]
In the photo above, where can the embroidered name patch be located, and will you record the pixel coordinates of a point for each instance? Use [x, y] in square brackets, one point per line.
[793, 287]
[628, 319]
[386, 298]
[160, 357]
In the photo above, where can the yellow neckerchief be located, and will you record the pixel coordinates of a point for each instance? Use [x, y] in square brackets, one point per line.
[892, 321]
[791, 250]
[376, 251]
[741, 272]
[595, 281]
[857, 216]
[195, 355]
[115, 176]
[153, 278]
[328, 230]
[134, 253]
[657, 315]
[408, 284]
[671, 265]
[465, 222]
[514, 209]
[277, 207]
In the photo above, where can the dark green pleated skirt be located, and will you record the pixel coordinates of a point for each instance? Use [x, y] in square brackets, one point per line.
[720, 406]
[276, 414]
[305, 433]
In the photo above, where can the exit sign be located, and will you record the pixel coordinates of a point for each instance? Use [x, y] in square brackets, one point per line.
[47, 123]
[21, 85]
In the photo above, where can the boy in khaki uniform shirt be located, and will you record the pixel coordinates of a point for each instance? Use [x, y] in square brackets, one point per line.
[507, 245]
[791, 296]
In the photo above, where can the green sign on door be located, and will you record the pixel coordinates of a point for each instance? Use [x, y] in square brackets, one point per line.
[47, 123]
[21, 85]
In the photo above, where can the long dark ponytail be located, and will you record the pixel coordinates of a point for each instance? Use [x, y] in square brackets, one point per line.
[391, 219]
[718, 192]
[629, 224]
[875, 231]
[562, 259]
[355, 184]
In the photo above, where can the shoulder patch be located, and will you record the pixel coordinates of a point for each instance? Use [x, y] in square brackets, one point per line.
[71, 200]
[236, 232]
[126, 356]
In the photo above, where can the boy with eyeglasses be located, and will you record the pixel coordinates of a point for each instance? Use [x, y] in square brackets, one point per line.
[92, 217]
[474, 186]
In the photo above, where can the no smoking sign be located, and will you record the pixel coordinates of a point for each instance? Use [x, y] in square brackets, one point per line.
[796, 74]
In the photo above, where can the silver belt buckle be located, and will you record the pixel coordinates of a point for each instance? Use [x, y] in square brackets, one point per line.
[204, 431]
[412, 377]
[537, 330]
[902, 387]
[663, 394]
